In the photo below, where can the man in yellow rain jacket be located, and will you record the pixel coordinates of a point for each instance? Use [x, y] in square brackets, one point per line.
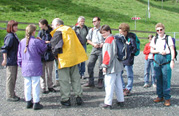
[69, 51]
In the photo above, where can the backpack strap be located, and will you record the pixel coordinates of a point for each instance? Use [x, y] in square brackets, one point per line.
[75, 28]
[155, 39]
[166, 40]
[92, 32]
[86, 28]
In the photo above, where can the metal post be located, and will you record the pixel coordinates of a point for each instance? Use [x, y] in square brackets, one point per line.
[174, 34]
[6, 24]
[135, 22]
[148, 9]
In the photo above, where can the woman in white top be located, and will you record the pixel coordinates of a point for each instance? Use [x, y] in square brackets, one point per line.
[163, 63]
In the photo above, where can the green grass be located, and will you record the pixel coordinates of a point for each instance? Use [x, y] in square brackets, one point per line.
[111, 12]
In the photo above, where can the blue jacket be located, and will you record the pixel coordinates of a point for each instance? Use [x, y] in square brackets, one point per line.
[11, 42]
[45, 35]
[131, 50]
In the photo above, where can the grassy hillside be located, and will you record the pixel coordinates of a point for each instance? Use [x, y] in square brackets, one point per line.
[111, 12]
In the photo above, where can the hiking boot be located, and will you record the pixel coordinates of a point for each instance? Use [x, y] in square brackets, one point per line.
[105, 106]
[79, 101]
[158, 100]
[100, 84]
[29, 104]
[44, 91]
[13, 99]
[167, 103]
[52, 90]
[146, 85]
[89, 85]
[121, 104]
[38, 106]
[126, 92]
[66, 103]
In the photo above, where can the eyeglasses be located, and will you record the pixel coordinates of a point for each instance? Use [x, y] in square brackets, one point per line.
[94, 21]
[159, 30]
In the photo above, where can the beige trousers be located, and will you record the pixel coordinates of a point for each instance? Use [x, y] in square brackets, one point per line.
[48, 68]
[69, 78]
[11, 73]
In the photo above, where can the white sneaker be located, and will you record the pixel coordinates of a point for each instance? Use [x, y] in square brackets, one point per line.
[146, 85]
[154, 85]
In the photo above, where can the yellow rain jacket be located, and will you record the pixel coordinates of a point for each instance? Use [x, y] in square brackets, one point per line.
[73, 51]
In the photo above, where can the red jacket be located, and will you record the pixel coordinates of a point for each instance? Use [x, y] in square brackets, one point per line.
[147, 50]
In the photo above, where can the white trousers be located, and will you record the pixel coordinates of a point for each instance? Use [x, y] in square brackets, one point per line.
[32, 86]
[113, 82]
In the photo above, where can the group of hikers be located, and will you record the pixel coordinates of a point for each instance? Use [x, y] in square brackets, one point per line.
[66, 48]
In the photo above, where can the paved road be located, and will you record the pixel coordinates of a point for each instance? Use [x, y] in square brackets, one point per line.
[140, 103]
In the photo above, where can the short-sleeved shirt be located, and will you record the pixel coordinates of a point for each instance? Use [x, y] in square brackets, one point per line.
[95, 36]
[161, 44]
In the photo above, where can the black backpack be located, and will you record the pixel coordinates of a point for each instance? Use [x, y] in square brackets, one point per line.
[121, 47]
[166, 39]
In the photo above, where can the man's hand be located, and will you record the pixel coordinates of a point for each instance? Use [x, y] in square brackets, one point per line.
[96, 45]
[104, 70]
[47, 42]
[101, 45]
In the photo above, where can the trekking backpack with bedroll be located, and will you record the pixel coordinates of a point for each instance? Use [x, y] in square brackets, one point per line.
[121, 47]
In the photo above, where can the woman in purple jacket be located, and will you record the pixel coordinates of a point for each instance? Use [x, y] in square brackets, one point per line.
[29, 59]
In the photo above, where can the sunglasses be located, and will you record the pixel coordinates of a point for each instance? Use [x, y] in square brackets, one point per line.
[159, 30]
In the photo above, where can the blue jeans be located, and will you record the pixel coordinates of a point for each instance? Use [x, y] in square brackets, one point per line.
[149, 67]
[81, 66]
[163, 75]
[130, 76]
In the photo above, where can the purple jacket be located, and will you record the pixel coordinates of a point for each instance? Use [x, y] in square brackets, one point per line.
[31, 60]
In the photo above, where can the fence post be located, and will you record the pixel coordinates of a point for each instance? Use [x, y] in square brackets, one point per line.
[6, 24]
[174, 34]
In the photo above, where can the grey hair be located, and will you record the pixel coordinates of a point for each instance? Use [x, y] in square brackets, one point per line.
[58, 21]
[80, 17]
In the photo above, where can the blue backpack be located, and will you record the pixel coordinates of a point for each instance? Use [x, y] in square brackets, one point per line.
[121, 47]
[133, 36]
